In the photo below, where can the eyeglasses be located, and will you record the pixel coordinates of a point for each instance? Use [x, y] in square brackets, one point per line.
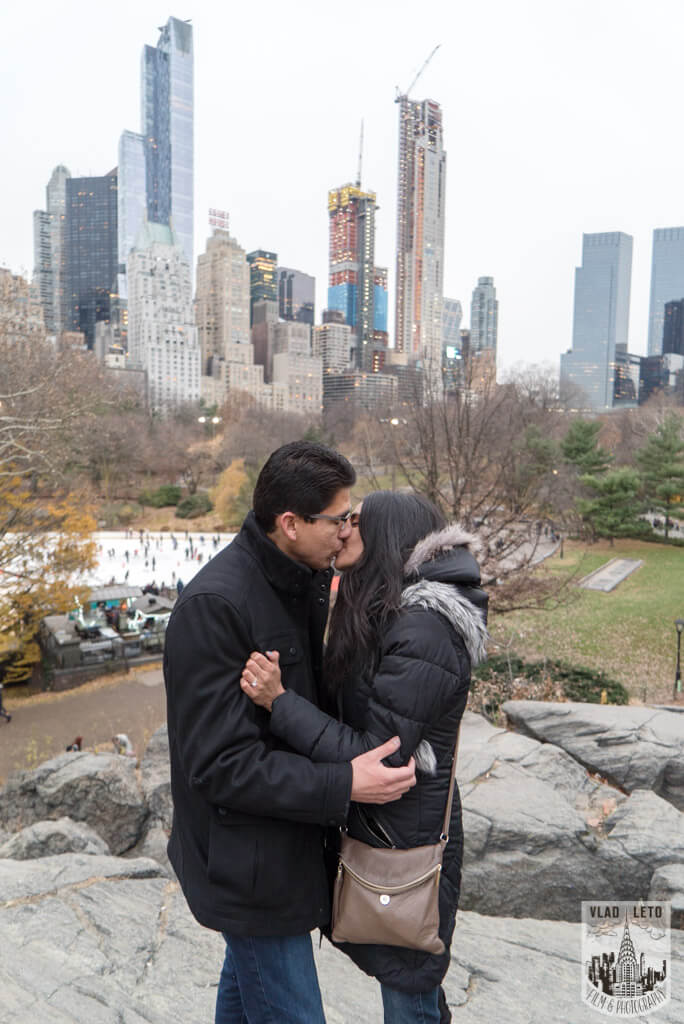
[337, 520]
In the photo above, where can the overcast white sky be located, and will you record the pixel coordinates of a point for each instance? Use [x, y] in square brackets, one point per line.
[560, 117]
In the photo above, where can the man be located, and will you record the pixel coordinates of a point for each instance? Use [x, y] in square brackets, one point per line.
[249, 813]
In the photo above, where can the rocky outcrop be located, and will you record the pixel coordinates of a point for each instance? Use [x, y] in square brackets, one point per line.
[542, 834]
[668, 884]
[156, 778]
[99, 789]
[106, 940]
[99, 940]
[47, 838]
[632, 747]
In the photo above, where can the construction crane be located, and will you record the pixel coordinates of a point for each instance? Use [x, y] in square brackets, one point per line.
[413, 83]
[358, 173]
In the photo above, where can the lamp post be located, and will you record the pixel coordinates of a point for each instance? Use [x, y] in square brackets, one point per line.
[679, 626]
[214, 420]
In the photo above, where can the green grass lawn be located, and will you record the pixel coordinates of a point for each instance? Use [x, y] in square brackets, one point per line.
[628, 633]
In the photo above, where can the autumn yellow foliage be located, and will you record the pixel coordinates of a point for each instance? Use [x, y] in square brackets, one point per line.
[227, 490]
[46, 546]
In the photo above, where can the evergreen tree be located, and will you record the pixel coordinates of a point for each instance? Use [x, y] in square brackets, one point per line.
[580, 447]
[613, 511]
[661, 461]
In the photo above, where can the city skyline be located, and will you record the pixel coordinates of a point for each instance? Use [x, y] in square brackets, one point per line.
[581, 155]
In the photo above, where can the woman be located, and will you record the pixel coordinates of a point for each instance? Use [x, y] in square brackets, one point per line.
[408, 623]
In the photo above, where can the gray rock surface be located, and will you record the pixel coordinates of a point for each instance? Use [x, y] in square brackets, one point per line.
[99, 789]
[51, 837]
[541, 834]
[153, 844]
[117, 945]
[25, 881]
[632, 747]
[102, 940]
[668, 884]
[156, 777]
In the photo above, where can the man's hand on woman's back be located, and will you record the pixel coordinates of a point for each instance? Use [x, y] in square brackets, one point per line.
[375, 783]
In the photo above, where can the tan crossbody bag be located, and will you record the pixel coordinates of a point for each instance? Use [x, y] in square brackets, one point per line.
[388, 896]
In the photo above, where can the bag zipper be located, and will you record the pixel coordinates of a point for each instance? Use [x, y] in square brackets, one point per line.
[391, 889]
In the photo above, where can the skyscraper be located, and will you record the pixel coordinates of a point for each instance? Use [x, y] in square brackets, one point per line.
[673, 328]
[263, 278]
[667, 281]
[452, 356]
[90, 248]
[352, 271]
[296, 296]
[452, 315]
[222, 302]
[167, 108]
[601, 317]
[484, 315]
[131, 200]
[162, 337]
[420, 234]
[48, 248]
[332, 343]
[380, 292]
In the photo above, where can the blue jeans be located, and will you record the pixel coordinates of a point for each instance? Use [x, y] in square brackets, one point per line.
[401, 1008]
[269, 980]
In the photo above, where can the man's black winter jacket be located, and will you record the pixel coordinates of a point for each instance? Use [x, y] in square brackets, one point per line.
[246, 842]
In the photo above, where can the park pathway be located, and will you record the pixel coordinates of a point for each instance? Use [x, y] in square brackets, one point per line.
[43, 725]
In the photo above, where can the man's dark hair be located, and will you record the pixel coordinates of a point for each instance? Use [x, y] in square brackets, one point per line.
[301, 477]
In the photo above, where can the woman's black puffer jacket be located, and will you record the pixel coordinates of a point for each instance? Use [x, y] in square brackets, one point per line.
[418, 693]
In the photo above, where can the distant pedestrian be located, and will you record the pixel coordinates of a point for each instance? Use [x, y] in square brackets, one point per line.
[179, 586]
[5, 714]
[154, 563]
[123, 745]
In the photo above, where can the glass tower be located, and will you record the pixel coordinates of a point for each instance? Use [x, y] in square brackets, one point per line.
[263, 278]
[48, 248]
[352, 274]
[167, 128]
[667, 281]
[90, 245]
[601, 317]
[132, 201]
[484, 315]
[380, 292]
[296, 295]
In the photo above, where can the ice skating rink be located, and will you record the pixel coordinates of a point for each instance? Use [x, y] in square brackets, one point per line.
[129, 556]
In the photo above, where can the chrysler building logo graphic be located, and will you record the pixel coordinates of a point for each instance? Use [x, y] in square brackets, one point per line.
[626, 957]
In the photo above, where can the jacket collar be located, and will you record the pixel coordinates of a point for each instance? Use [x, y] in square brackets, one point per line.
[282, 572]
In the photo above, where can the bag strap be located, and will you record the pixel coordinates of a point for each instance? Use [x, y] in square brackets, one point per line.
[450, 798]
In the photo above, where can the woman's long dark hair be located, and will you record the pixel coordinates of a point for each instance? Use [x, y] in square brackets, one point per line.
[391, 525]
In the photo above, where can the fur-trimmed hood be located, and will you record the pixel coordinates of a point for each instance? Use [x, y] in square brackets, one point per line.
[449, 583]
[438, 543]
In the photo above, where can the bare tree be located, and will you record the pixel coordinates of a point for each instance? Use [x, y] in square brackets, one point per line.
[487, 456]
